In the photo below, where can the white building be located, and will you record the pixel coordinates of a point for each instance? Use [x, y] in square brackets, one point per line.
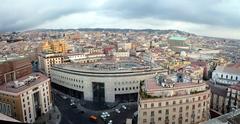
[103, 81]
[121, 54]
[124, 46]
[228, 75]
[46, 61]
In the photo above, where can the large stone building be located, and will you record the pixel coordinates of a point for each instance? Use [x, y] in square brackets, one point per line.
[178, 44]
[15, 68]
[54, 46]
[164, 100]
[26, 98]
[107, 80]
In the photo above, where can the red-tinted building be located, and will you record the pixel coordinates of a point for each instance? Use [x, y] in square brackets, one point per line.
[11, 70]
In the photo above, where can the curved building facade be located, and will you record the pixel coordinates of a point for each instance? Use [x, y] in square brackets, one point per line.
[101, 82]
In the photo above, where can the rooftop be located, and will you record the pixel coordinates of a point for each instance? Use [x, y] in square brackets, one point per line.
[177, 38]
[157, 88]
[108, 64]
[23, 83]
[10, 58]
[230, 68]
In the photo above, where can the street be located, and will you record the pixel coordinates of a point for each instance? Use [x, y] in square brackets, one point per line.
[71, 115]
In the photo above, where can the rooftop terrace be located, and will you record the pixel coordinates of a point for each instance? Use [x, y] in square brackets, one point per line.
[108, 65]
[153, 89]
[23, 83]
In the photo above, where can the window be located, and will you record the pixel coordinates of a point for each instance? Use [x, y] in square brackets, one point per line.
[152, 105]
[159, 104]
[174, 102]
[152, 113]
[159, 111]
[145, 105]
[180, 102]
[167, 103]
[187, 107]
[152, 121]
[159, 119]
[174, 116]
[174, 109]
[167, 111]
[180, 109]
[144, 113]
[144, 120]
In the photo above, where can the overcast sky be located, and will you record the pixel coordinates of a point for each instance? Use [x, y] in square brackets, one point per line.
[219, 18]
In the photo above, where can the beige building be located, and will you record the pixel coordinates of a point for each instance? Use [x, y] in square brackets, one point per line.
[163, 101]
[27, 98]
[46, 61]
[54, 46]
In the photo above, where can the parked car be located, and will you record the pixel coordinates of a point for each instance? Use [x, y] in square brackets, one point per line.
[93, 118]
[124, 107]
[117, 110]
[110, 122]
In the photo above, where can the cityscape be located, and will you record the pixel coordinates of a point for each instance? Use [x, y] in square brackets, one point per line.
[132, 70]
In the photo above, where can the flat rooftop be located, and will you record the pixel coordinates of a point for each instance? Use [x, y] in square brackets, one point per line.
[8, 87]
[127, 63]
[152, 85]
[10, 58]
[157, 88]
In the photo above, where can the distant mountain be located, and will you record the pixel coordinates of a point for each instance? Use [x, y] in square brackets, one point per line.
[174, 32]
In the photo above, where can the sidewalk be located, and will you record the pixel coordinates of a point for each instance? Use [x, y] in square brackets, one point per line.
[52, 117]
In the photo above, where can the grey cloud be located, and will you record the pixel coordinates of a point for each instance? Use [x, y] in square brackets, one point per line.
[29, 13]
[211, 12]
[25, 14]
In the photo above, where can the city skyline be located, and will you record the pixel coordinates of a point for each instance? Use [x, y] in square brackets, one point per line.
[217, 18]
